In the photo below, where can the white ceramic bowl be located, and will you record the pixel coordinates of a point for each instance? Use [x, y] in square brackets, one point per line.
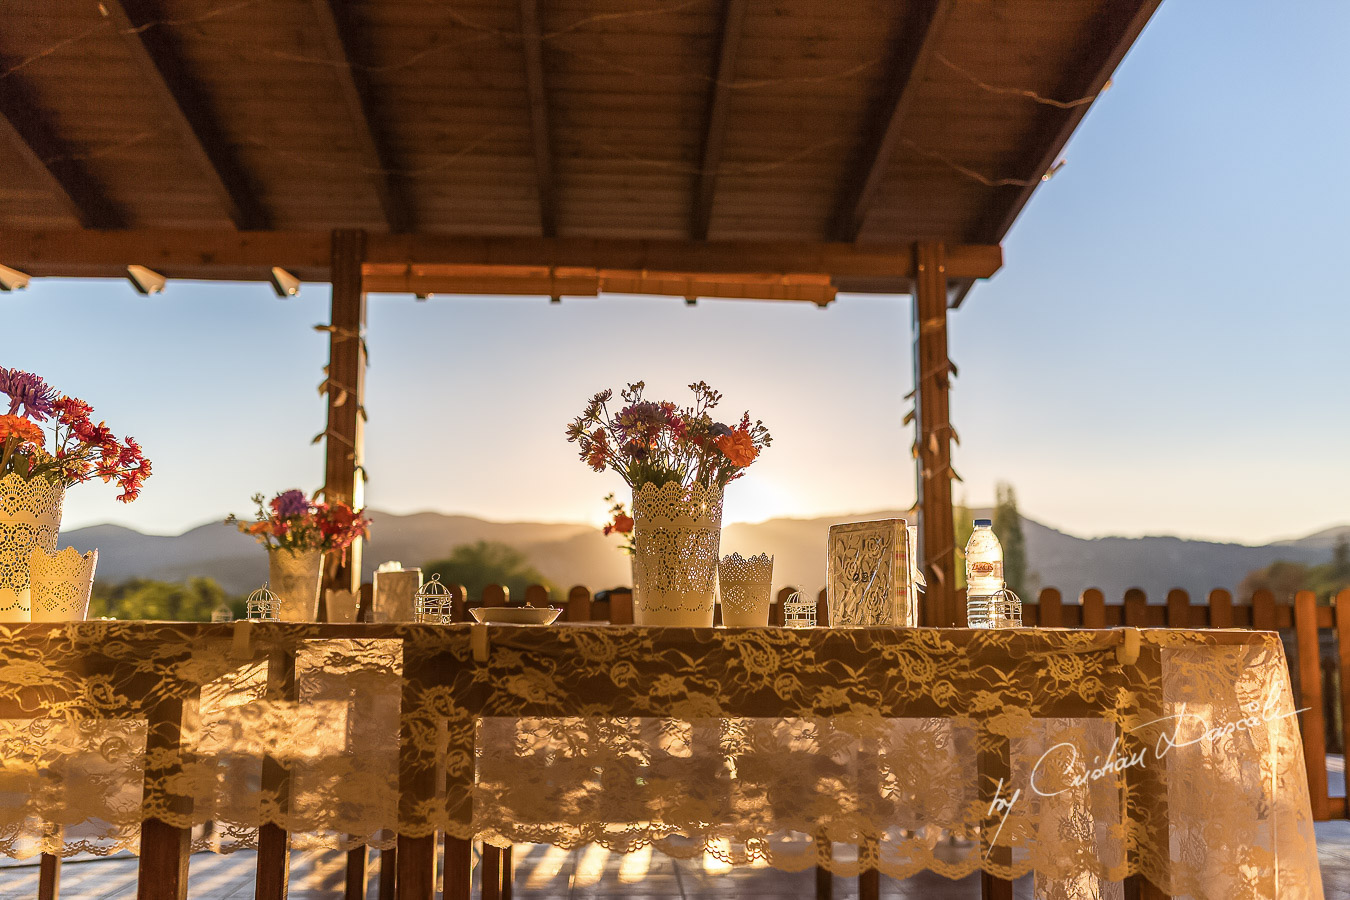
[515, 615]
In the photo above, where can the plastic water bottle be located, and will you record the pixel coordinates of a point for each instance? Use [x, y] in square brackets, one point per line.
[984, 576]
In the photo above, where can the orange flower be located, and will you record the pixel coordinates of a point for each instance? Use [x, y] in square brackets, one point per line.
[738, 447]
[623, 524]
[17, 426]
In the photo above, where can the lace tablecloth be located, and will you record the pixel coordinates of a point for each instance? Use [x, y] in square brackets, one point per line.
[898, 749]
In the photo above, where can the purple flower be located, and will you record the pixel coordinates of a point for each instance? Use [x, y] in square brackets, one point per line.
[29, 391]
[719, 430]
[289, 504]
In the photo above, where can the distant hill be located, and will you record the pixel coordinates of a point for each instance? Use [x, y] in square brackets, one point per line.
[571, 554]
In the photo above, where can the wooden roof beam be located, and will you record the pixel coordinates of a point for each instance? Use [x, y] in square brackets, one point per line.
[50, 163]
[250, 256]
[1108, 40]
[715, 128]
[533, 50]
[919, 37]
[188, 114]
[337, 33]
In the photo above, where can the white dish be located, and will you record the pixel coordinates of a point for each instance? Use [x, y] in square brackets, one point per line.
[515, 615]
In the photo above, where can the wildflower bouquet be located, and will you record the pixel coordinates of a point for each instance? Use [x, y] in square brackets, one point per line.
[650, 442]
[79, 450]
[293, 522]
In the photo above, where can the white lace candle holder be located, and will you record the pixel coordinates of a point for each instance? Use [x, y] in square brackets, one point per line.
[746, 586]
[395, 589]
[341, 605]
[61, 584]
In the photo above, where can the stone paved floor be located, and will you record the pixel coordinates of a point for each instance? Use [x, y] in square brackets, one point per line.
[543, 873]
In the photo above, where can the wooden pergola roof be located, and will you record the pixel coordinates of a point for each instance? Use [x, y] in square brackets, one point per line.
[776, 148]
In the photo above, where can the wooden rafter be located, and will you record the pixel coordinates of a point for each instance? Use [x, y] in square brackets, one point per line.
[715, 127]
[533, 50]
[918, 39]
[186, 111]
[51, 164]
[249, 256]
[1111, 36]
[336, 33]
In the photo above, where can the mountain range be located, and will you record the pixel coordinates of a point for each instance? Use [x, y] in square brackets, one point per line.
[569, 554]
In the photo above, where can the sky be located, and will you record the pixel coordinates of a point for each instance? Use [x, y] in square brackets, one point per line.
[1164, 351]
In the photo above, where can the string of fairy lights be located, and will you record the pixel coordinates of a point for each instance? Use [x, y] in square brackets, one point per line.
[481, 31]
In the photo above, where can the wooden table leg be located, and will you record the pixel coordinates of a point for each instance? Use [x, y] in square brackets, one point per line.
[163, 872]
[491, 877]
[458, 868]
[508, 870]
[1146, 788]
[994, 762]
[274, 842]
[388, 873]
[49, 877]
[358, 859]
[416, 868]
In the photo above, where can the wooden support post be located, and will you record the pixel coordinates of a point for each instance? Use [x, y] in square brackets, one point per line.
[1220, 609]
[932, 368]
[344, 477]
[163, 873]
[490, 876]
[1094, 608]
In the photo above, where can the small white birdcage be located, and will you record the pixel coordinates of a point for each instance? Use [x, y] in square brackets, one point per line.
[799, 611]
[263, 605]
[433, 604]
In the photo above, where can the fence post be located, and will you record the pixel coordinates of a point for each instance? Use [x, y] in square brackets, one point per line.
[1310, 698]
[1094, 608]
[496, 595]
[1220, 609]
[822, 607]
[1263, 611]
[578, 604]
[1050, 609]
[1178, 609]
[536, 595]
[1136, 608]
[459, 604]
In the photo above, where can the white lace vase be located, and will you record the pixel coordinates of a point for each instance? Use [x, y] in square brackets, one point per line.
[746, 587]
[61, 584]
[676, 532]
[295, 578]
[30, 516]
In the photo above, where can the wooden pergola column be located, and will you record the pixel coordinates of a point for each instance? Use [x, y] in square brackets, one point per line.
[937, 535]
[344, 438]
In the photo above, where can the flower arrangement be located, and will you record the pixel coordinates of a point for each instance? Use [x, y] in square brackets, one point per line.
[293, 522]
[620, 523]
[658, 442]
[79, 451]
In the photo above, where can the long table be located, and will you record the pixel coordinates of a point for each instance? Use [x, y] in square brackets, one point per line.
[1170, 758]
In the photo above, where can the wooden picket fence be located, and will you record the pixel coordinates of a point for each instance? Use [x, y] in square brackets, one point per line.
[1316, 639]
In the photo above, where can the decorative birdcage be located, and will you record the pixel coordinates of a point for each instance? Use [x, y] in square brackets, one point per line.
[433, 604]
[263, 605]
[799, 611]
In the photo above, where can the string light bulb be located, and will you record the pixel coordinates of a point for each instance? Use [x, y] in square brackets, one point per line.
[12, 279]
[146, 281]
[284, 283]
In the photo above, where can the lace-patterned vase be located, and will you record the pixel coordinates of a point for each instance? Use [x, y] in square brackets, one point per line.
[61, 583]
[745, 586]
[295, 578]
[676, 532]
[30, 516]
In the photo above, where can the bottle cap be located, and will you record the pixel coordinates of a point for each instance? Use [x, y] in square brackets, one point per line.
[984, 523]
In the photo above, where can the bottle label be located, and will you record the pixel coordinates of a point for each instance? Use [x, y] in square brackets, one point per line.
[984, 569]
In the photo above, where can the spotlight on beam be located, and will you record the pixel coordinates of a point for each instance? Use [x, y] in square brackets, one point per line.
[12, 279]
[691, 301]
[146, 281]
[284, 283]
[424, 297]
[555, 299]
